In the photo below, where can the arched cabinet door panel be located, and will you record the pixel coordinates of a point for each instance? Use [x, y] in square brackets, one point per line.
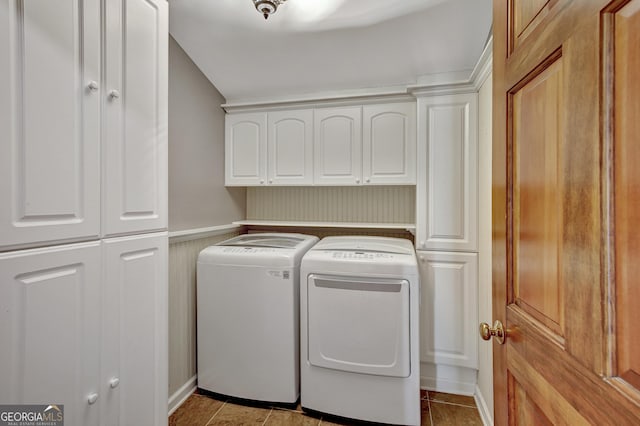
[389, 144]
[245, 149]
[337, 146]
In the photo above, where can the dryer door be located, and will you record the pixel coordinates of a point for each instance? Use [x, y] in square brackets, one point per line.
[359, 324]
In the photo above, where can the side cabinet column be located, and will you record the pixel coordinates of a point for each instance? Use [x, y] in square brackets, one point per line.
[447, 240]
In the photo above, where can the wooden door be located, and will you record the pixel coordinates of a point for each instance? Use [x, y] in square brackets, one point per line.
[565, 202]
[49, 121]
[337, 145]
[245, 149]
[135, 116]
[290, 147]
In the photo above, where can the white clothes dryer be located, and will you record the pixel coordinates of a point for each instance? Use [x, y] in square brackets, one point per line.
[359, 318]
[248, 316]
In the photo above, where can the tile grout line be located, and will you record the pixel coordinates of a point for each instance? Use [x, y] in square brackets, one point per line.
[267, 418]
[216, 413]
[454, 403]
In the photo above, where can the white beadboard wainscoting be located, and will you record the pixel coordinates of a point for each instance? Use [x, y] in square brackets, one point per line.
[376, 204]
[184, 248]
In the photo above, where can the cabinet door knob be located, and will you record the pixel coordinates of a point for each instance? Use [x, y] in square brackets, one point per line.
[261, 181]
[357, 180]
[92, 86]
[270, 180]
[113, 383]
[114, 94]
[422, 244]
[367, 180]
[92, 398]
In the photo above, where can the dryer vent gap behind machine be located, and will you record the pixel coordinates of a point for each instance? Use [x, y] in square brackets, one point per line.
[359, 319]
[248, 316]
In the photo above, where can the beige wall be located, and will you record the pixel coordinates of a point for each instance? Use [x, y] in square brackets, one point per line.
[485, 358]
[197, 195]
[182, 308]
[197, 199]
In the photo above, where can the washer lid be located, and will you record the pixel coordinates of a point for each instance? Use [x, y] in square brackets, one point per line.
[272, 240]
[367, 244]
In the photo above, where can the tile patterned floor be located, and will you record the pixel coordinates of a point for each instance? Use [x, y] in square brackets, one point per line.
[439, 409]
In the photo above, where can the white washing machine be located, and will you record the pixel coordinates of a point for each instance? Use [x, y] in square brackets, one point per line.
[248, 316]
[359, 302]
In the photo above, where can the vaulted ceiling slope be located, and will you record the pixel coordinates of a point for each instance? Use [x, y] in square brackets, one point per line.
[314, 46]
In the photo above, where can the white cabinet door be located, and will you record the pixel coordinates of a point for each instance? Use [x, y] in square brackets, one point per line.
[50, 329]
[134, 370]
[449, 308]
[135, 116]
[447, 187]
[290, 147]
[337, 146]
[389, 144]
[49, 121]
[245, 149]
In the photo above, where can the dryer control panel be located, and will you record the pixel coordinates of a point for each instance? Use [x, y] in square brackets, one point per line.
[360, 255]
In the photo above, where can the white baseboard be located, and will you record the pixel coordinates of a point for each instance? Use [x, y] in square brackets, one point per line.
[182, 394]
[448, 379]
[485, 412]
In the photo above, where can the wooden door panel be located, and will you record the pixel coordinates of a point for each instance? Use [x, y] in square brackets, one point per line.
[526, 412]
[525, 16]
[626, 36]
[533, 398]
[537, 196]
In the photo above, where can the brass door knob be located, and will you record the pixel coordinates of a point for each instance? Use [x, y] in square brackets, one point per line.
[497, 331]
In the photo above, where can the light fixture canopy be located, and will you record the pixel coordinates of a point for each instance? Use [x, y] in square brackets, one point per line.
[267, 7]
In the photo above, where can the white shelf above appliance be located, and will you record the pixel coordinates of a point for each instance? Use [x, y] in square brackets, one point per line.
[410, 227]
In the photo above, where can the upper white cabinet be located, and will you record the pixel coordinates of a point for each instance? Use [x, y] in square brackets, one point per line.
[83, 149]
[135, 125]
[351, 145]
[50, 94]
[447, 184]
[338, 146]
[290, 147]
[389, 143]
[246, 149]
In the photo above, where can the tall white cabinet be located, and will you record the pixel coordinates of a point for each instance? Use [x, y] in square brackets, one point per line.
[446, 240]
[83, 184]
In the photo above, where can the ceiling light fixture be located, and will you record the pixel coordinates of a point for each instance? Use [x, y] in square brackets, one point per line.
[267, 7]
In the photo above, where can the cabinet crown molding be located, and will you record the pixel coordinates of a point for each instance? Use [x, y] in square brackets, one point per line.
[329, 100]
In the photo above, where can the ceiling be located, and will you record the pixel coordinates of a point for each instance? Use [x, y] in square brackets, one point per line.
[313, 46]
